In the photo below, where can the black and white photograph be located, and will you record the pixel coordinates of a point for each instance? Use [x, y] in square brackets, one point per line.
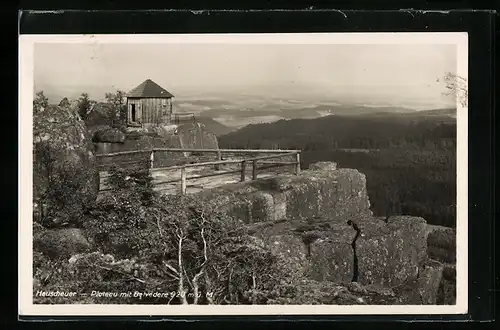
[243, 174]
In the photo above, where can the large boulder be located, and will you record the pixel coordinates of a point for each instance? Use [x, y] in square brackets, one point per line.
[319, 249]
[65, 103]
[197, 136]
[185, 136]
[429, 280]
[333, 293]
[108, 135]
[99, 114]
[144, 141]
[286, 244]
[390, 253]
[442, 243]
[61, 243]
[365, 250]
[291, 251]
[323, 191]
[165, 130]
[65, 178]
[447, 288]
[331, 254]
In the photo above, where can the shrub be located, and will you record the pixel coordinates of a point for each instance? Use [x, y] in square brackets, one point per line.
[60, 193]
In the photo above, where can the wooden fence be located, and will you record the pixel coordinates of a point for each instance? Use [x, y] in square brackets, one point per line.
[179, 118]
[244, 163]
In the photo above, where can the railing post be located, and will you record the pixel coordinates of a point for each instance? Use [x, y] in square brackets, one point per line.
[183, 181]
[151, 160]
[243, 170]
[254, 169]
[219, 158]
[297, 166]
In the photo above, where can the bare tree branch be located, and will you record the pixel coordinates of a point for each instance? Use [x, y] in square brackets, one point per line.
[457, 88]
[202, 266]
[181, 289]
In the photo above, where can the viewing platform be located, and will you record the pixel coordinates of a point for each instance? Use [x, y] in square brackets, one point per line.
[205, 169]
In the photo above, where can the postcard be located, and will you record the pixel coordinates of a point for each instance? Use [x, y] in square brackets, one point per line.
[243, 174]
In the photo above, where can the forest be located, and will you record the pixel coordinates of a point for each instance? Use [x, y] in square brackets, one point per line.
[409, 160]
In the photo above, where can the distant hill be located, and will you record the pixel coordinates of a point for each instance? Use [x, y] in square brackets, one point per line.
[451, 112]
[301, 111]
[376, 130]
[445, 114]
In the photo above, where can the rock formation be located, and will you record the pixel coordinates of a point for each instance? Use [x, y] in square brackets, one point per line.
[108, 135]
[187, 136]
[442, 243]
[65, 103]
[65, 177]
[322, 191]
[63, 242]
[320, 221]
[196, 136]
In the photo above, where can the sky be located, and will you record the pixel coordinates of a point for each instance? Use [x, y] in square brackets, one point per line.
[373, 69]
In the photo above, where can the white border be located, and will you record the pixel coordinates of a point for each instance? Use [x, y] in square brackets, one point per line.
[26, 81]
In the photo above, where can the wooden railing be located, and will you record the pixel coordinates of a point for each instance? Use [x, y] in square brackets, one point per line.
[252, 161]
[178, 118]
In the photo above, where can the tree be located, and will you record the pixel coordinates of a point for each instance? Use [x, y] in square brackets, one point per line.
[40, 102]
[117, 102]
[59, 194]
[214, 256]
[456, 87]
[84, 105]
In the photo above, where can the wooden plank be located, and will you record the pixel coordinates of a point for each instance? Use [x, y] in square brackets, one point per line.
[273, 156]
[254, 169]
[159, 183]
[155, 183]
[297, 159]
[198, 150]
[118, 164]
[197, 165]
[222, 162]
[201, 176]
[243, 170]
[128, 152]
[264, 151]
[163, 188]
[219, 158]
[183, 181]
[151, 159]
[279, 163]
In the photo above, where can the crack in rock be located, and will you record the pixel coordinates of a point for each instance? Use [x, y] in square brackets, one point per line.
[355, 272]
